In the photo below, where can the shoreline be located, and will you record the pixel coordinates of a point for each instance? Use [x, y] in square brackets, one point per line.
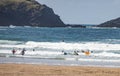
[61, 62]
[53, 70]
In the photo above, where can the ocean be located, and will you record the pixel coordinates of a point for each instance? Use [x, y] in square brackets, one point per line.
[48, 44]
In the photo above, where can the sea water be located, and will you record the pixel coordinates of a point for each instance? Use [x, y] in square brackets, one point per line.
[48, 44]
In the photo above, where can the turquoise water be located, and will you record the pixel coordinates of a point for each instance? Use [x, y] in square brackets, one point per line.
[50, 42]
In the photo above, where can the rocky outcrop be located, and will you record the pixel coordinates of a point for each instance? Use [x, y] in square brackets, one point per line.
[27, 13]
[111, 23]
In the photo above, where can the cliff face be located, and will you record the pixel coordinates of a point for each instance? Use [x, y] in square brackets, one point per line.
[111, 23]
[27, 13]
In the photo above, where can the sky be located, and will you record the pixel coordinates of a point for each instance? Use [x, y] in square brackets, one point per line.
[84, 11]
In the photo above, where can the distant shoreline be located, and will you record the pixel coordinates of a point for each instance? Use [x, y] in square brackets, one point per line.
[66, 25]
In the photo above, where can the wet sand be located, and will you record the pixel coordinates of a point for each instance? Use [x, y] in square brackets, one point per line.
[47, 70]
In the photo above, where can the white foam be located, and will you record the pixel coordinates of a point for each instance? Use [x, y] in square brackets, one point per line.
[8, 42]
[73, 46]
[61, 45]
[106, 54]
[99, 60]
[55, 48]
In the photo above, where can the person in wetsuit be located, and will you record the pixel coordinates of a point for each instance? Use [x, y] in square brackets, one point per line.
[13, 51]
[23, 51]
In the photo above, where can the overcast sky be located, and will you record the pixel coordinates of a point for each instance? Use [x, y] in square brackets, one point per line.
[84, 11]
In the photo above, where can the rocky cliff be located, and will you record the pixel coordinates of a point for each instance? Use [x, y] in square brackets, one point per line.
[27, 13]
[111, 23]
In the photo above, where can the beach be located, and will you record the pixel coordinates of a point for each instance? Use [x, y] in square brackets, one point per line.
[50, 70]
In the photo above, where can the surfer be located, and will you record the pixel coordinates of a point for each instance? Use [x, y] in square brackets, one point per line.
[82, 51]
[33, 49]
[13, 51]
[23, 51]
[87, 52]
[64, 52]
[76, 53]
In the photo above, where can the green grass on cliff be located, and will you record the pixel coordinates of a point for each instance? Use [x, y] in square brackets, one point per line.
[30, 4]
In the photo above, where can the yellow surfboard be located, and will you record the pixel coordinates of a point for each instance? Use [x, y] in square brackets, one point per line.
[87, 53]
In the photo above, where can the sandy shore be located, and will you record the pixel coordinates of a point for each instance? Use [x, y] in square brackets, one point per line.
[45, 70]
